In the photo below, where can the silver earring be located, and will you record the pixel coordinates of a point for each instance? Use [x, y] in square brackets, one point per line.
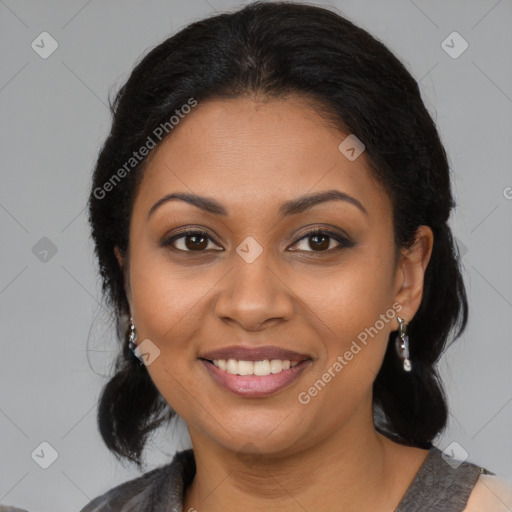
[132, 337]
[402, 344]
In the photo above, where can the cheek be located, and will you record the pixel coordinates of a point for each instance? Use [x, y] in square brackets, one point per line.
[167, 307]
[351, 309]
[352, 317]
[164, 295]
[348, 298]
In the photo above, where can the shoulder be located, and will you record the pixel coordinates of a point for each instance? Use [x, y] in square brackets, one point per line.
[160, 487]
[131, 491]
[491, 494]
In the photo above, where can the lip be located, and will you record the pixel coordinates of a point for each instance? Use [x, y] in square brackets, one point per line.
[253, 386]
[245, 353]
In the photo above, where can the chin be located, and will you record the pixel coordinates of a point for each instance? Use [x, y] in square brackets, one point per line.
[259, 438]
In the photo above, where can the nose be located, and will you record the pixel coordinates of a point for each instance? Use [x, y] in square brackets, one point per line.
[255, 294]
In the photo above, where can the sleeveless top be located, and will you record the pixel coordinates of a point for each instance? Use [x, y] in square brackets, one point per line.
[437, 487]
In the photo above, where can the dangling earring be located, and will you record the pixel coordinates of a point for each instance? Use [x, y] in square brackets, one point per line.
[132, 337]
[402, 344]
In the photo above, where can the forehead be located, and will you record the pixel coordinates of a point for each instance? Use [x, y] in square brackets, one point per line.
[252, 154]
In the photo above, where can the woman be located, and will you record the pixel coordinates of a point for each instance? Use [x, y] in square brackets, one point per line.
[270, 216]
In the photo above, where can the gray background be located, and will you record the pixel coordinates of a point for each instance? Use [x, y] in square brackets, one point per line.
[54, 119]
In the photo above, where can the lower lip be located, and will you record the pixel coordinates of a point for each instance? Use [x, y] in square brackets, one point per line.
[253, 385]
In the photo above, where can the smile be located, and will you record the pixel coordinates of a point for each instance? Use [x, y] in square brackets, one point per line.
[260, 368]
[252, 379]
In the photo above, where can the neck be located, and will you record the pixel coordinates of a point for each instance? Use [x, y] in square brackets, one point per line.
[354, 469]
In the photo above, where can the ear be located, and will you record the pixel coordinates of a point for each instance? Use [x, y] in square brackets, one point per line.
[119, 256]
[121, 260]
[410, 273]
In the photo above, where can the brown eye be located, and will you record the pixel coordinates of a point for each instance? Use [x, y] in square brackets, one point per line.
[189, 241]
[320, 240]
[196, 242]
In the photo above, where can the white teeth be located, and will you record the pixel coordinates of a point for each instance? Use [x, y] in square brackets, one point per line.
[232, 366]
[260, 368]
[276, 366]
[245, 368]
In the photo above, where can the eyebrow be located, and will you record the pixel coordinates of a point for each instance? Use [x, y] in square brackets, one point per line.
[291, 207]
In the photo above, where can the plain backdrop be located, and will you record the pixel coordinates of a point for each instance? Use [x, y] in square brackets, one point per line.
[56, 342]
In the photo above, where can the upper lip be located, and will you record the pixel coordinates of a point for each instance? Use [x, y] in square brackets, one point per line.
[245, 353]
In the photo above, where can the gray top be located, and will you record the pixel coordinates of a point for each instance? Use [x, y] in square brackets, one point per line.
[437, 487]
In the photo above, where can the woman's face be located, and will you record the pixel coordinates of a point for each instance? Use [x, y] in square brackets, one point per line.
[253, 279]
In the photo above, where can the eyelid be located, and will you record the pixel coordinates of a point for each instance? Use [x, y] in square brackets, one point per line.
[169, 240]
[342, 239]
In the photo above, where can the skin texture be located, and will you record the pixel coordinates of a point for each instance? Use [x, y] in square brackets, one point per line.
[273, 453]
[491, 494]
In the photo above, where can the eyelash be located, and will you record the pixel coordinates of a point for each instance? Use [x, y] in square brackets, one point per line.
[344, 242]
